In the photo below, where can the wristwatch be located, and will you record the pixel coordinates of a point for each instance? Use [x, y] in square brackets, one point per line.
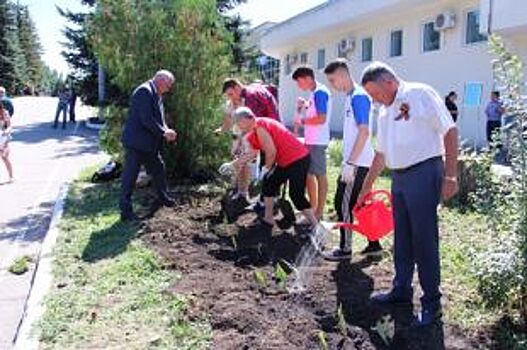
[451, 178]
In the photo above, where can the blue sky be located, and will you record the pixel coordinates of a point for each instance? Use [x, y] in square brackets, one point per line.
[50, 24]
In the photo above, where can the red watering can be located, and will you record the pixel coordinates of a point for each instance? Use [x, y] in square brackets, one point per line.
[373, 216]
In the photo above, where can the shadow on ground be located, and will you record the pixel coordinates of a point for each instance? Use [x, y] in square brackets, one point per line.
[28, 228]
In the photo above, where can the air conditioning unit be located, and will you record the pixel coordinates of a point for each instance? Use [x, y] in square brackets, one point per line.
[445, 20]
[346, 45]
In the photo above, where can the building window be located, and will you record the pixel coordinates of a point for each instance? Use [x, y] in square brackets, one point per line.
[303, 58]
[396, 43]
[431, 37]
[367, 49]
[321, 61]
[287, 66]
[472, 34]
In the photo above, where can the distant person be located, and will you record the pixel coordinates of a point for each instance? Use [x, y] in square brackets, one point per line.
[286, 159]
[5, 136]
[494, 112]
[450, 103]
[143, 135]
[6, 101]
[316, 135]
[62, 107]
[73, 102]
[255, 96]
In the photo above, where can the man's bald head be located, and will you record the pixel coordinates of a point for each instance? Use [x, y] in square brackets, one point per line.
[163, 80]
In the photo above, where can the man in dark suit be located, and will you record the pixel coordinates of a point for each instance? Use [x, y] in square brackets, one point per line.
[142, 138]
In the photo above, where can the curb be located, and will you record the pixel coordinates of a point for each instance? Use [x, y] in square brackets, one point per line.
[41, 281]
[94, 126]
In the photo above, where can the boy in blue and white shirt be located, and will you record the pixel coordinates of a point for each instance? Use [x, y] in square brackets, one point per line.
[316, 123]
[358, 155]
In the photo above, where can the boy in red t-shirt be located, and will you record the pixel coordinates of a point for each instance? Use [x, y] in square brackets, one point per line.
[286, 158]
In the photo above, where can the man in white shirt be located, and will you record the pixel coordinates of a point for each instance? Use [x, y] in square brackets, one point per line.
[357, 155]
[316, 135]
[418, 140]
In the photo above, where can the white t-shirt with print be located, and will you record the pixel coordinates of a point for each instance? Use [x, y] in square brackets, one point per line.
[319, 103]
[358, 112]
[408, 141]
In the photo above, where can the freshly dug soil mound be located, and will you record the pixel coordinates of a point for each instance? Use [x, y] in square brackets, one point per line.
[219, 264]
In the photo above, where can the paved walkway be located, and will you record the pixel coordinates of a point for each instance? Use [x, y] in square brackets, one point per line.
[44, 159]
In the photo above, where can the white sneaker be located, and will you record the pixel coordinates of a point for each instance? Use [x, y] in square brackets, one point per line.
[337, 254]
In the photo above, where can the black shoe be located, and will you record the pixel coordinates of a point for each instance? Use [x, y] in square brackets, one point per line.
[168, 202]
[337, 254]
[241, 202]
[427, 317]
[373, 249]
[393, 298]
[259, 222]
[259, 208]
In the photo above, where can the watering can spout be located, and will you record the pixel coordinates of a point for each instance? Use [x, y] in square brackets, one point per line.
[349, 226]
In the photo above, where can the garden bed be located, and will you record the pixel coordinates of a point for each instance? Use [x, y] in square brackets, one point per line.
[219, 262]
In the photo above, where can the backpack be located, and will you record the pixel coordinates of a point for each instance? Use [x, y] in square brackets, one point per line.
[112, 170]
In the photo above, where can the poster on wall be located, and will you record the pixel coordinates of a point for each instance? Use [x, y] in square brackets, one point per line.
[473, 94]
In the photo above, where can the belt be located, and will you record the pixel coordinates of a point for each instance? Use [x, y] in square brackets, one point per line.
[411, 167]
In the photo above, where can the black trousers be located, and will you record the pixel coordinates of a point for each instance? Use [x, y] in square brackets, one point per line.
[72, 112]
[345, 199]
[492, 126]
[132, 164]
[296, 173]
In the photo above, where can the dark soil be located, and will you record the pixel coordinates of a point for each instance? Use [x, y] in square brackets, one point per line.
[218, 263]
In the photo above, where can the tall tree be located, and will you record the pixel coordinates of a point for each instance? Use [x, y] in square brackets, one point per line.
[30, 47]
[80, 57]
[185, 36]
[226, 5]
[12, 62]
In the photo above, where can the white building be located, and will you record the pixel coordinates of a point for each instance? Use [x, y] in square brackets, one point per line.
[440, 42]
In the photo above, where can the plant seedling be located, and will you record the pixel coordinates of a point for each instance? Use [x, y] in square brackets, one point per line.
[20, 265]
[341, 321]
[322, 341]
[234, 242]
[260, 278]
[280, 275]
[385, 328]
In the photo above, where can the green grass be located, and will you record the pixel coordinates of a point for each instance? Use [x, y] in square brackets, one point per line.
[109, 289]
[20, 265]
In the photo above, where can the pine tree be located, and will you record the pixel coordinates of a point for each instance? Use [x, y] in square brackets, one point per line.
[30, 47]
[10, 55]
[79, 55]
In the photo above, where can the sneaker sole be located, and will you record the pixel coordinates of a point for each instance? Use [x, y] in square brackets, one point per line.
[335, 259]
[373, 254]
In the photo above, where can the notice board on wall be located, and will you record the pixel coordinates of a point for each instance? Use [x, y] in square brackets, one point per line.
[473, 94]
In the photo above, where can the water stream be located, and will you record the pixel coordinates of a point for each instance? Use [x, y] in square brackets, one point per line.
[305, 262]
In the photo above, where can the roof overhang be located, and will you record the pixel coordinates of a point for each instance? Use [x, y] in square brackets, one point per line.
[333, 16]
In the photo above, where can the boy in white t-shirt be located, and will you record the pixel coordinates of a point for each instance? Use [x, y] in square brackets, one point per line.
[317, 111]
[358, 155]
